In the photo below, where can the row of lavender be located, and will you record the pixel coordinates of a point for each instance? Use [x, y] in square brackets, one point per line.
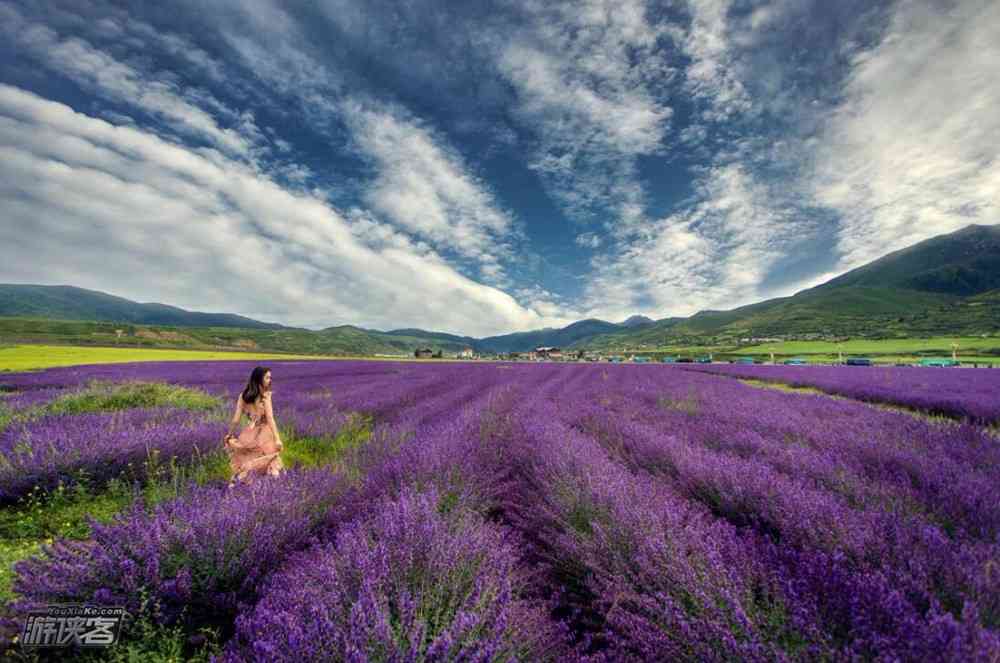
[312, 399]
[960, 393]
[611, 513]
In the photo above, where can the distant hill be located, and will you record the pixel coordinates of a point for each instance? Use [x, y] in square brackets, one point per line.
[64, 302]
[962, 263]
[638, 321]
[440, 337]
[576, 332]
[948, 284]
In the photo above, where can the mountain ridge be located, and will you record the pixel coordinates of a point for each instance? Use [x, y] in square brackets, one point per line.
[948, 280]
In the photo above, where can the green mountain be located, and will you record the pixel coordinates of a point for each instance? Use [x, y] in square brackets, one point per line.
[440, 337]
[560, 338]
[67, 314]
[948, 284]
[345, 340]
[65, 302]
[963, 263]
[638, 321]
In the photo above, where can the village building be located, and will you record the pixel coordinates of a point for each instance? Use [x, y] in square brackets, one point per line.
[548, 353]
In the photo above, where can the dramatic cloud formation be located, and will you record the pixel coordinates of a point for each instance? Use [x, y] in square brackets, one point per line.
[84, 198]
[486, 168]
[912, 151]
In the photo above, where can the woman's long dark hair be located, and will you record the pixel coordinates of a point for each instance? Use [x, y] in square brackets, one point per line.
[255, 385]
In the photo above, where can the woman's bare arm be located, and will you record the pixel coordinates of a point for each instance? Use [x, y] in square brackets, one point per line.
[270, 419]
[236, 415]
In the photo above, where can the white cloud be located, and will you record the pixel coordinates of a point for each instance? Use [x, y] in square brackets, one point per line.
[121, 210]
[428, 191]
[588, 240]
[713, 254]
[551, 306]
[912, 151]
[119, 82]
[712, 74]
[585, 76]
[421, 185]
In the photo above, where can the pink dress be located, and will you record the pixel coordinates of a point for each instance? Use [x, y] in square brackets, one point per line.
[255, 452]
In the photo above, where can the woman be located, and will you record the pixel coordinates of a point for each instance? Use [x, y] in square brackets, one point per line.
[256, 452]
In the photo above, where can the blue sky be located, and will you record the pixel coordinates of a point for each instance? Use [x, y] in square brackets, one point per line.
[486, 167]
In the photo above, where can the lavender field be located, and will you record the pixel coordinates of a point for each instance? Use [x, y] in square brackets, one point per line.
[960, 393]
[536, 512]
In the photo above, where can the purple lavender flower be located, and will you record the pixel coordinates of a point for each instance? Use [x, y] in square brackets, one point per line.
[656, 512]
[55, 449]
[962, 393]
[406, 583]
[205, 552]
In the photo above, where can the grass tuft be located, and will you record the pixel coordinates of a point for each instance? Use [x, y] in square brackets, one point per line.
[109, 397]
[309, 451]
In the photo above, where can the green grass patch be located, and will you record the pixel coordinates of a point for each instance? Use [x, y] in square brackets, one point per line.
[109, 397]
[6, 416]
[890, 407]
[41, 518]
[689, 404]
[305, 451]
[781, 386]
[144, 641]
[11, 552]
[61, 513]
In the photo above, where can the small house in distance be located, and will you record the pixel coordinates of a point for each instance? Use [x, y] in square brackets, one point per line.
[548, 353]
[466, 354]
[423, 353]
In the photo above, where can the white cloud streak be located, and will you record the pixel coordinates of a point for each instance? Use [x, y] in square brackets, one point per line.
[909, 152]
[428, 191]
[712, 75]
[122, 83]
[421, 185]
